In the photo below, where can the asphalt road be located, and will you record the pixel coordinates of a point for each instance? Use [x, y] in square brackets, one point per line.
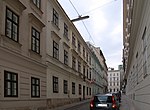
[126, 104]
[84, 106]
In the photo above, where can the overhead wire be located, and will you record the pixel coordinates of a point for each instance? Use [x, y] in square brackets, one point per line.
[82, 22]
[89, 12]
[99, 7]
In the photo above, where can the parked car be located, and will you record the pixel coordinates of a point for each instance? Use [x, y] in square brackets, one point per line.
[104, 102]
[118, 95]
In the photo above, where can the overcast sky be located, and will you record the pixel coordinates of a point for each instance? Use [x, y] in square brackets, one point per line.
[104, 25]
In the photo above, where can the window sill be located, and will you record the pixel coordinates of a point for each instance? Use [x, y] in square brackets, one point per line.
[66, 37]
[34, 55]
[36, 9]
[55, 26]
[10, 43]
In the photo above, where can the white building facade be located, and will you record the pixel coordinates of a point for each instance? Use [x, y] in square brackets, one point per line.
[114, 80]
[136, 51]
[99, 71]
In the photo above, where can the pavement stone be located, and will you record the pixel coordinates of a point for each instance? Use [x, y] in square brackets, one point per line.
[127, 103]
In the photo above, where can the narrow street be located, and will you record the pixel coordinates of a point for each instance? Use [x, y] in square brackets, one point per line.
[126, 104]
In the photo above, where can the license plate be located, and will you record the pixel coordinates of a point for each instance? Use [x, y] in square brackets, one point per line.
[102, 105]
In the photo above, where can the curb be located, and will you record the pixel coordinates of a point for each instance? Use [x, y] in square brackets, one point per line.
[68, 106]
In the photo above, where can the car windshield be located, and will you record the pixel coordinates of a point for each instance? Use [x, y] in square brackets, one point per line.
[107, 99]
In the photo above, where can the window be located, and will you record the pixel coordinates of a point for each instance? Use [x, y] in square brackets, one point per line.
[55, 17]
[110, 79]
[87, 57]
[87, 73]
[35, 42]
[83, 70]
[55, 50]
[90, 91]
[55, 84]
[111, 90]
[90, 73]
[79, 89]
[10, 84]
[37, 3]
[79, 66]
[114, 78]
[144, 40]
[65, 30]
[73, 88]
[73, 39]
[65, 57]
[35, 87]
[83, 52]
[87, 92]
[117, 84]
[90, 60]
[114, 90]
[65, 86]
[73, 62]
[79, 47]
[110, 84]
[12, 25]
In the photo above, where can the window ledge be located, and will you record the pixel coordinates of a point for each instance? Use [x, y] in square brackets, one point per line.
[55, 36]
[34, 19]
[37, 10]
[55, 25]
[16, 4]
[34, 55]
[10, 43]
[66, 37]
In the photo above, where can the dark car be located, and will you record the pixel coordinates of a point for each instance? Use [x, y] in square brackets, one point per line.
[104, 102]
[118, 95]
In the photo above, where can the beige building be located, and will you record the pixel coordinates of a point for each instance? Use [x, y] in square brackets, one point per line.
[22, 55]
[137, 51]
[68, 59]
[44, 61]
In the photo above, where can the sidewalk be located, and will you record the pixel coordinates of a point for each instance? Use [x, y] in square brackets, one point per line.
[71, 105]
[127, 103]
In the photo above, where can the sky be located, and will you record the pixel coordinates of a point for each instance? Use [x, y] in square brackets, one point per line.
[104, 25]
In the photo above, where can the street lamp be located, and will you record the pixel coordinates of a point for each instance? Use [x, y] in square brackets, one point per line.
[79, 18]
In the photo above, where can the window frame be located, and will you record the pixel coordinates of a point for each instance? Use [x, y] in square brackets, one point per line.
[73, 88]
[55, 17]
[35, 45]
[80, 89]
[55, 50]
[37, 3]
[66, 30]
[12, 74]
[73, 62]
[79, 66]
[16, 38]
[79, 47]
[65, 86]
[65, 57]
[36, 87]
[55, 85]
[73, 39]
